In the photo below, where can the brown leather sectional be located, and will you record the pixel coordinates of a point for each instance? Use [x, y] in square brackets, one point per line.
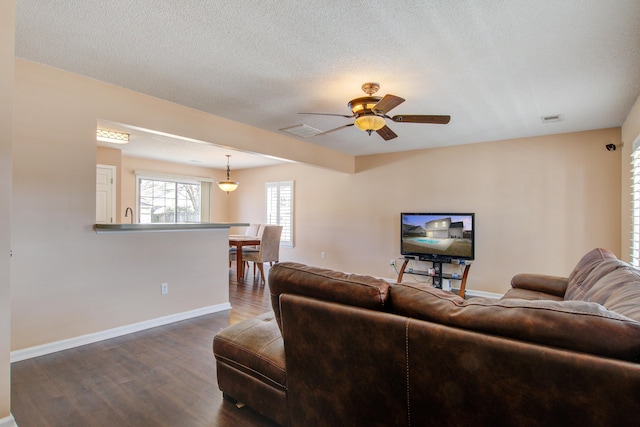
[351, 350]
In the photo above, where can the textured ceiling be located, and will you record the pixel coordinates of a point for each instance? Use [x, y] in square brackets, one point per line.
[496, 67]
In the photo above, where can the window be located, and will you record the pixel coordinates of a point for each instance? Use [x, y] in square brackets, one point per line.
[172, 200]
[635, 206]
[279, 208]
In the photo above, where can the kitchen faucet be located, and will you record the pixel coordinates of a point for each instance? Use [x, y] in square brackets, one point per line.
[126, 214]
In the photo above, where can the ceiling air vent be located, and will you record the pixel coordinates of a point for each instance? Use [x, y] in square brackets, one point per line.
[303, 131]
[550, 119]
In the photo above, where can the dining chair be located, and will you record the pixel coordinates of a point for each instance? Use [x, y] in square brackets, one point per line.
[252, 229]
[257, 233]
[268, 251]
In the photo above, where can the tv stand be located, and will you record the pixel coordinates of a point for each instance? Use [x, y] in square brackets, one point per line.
[437, 275]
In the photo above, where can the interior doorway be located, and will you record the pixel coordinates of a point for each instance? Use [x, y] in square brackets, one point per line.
[105, 194]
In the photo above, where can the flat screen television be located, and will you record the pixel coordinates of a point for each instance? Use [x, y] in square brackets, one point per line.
[438, 236]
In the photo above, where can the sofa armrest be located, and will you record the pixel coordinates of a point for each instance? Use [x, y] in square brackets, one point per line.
[554, 285]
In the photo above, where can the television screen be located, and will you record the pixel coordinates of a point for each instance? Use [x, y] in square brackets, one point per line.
[438, 236]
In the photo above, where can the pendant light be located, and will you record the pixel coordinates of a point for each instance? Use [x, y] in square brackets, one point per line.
[228, 185]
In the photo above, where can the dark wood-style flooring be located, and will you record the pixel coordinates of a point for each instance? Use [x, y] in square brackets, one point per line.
[163, 376]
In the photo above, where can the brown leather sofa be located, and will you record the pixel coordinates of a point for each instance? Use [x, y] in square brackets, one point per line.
[351, 350]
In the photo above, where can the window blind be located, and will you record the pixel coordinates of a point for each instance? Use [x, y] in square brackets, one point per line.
[279, 208]
[635, 207]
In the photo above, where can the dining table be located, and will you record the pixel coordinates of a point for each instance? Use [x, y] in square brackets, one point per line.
[239, 241]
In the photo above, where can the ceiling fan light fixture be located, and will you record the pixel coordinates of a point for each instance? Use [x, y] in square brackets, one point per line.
[371, 111]
[359, 108]
[369, 123]
[228, 185]
[363, 105]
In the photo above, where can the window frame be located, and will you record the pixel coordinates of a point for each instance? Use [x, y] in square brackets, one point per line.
[205, 190]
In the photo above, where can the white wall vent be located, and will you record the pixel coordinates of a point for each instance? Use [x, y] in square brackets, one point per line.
[550, 119]
[304, 131]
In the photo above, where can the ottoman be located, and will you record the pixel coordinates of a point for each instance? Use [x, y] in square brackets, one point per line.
[251, 366]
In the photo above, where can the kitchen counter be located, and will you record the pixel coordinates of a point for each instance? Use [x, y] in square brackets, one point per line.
[133, 228]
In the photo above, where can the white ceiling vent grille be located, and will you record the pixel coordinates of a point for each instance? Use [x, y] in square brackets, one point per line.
[303, 131]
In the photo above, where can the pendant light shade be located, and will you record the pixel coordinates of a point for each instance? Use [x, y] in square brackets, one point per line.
[228, 185]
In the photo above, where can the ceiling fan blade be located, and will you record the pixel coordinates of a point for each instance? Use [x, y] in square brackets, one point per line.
[386, 133]
[333, 130]
[439, 120]
[328, 114]
[388, 103]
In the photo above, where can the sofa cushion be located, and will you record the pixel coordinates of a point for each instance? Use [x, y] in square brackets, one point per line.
[352, 289]
[530, 294]
[620, 292]
[608, 282]
[584, 270]
[574, 325]
[255, 347]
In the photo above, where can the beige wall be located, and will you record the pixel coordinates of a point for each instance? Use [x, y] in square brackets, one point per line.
[540, 204]
[7, 25]
[67, 280]
[630, 134]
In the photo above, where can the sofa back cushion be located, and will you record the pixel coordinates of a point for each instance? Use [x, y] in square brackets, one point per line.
[588, 260]
[574, 325]
[601, 278]
[584, 271]
[329, 285]
[619, 292]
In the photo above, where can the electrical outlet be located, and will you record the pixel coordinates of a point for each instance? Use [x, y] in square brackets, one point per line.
[392, 263]
[164, 288]
[323, 255]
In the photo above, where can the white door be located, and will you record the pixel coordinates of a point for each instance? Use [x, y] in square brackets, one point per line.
[105, 194]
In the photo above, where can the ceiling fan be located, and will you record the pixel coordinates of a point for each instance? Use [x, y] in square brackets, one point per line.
[371, 111]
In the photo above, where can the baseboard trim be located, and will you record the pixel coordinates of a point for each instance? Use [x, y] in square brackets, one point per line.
[8, 422]
[41, 350]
